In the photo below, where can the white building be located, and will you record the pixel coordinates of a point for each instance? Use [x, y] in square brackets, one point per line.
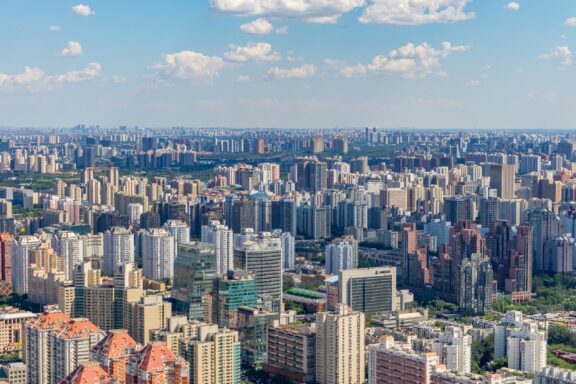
[20, 262]
[454, 348]
[522, 342]
[179, 230]
[288, 249]
[158, 254]
[223, 239]
[341, 254]
[68, 245]
[118, 249]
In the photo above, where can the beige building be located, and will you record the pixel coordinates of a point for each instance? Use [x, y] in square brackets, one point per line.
[151, 312]
[51, 288]
[11, 329]
[340, 353]
[213, 355]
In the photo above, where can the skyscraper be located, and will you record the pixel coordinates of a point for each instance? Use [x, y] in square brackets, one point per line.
[262, 256]
[158, 254]
[118, 249]
[223, 240]
[341, 254]
[20, 262]
[68, 245]
[340, 353]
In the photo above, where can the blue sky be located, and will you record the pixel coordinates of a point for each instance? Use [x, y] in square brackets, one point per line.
[288, 63]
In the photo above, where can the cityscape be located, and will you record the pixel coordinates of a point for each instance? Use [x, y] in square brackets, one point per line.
[212, 192]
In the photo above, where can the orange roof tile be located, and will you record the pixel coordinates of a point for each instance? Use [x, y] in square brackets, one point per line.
[116, 344]
[77, 329]
[49, 320]
[88, 373]
[153, 357]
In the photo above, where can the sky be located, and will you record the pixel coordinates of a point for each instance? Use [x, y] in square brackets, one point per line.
[457, 64]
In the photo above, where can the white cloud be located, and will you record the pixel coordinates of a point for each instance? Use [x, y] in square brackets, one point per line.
[301, 72]
[414, 12]
[410, 61]
[571, 22]
[473, 83]
[562, 54]
[73, 49]
[252, 52]
[243, 79]
[35, 79]
[282, 31]
[54, 28]
[83, 10]
[190, 65]
[257, 27]
[313, 11]
[513, 6]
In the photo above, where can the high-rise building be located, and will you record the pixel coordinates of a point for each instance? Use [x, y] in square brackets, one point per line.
[37, 344]
[55, 345]
[559, 255]
[70, 345]
[223, 240]
[340, 352]
[488, 212]
[195, 268]
[546, 226]
[502, 179]
[230, 292]
[288, 249]
[213, 355]
[118, 249]
[454, 349]
[291, 352]
[154, 364]
[262, 256]
[553, 375]
[21, 261]
[476, 282]
[158, 254]
[372, 290]
[284, 215]
[521, 341]
[6, 241]
[150, 312]
[341, 254]
[68, 245]
[113, 351]
[179, 230]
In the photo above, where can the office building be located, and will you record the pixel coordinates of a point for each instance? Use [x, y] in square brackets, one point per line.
[230, 292]
[372, 290]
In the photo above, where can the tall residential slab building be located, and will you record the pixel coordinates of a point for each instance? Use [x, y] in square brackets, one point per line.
[118, 249]
[340, 352]
[223, 240]
[341, 254]
[213, 355]
[454, 348]
[158, 254]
